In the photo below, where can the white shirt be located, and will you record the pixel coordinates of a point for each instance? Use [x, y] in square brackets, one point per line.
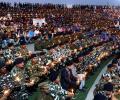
[74, 71]
[36, 32]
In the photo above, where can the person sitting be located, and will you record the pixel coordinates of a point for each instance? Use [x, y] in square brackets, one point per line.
[20, 74]
[30, 35]
[6, 82]
[80, 77]
[53, 91]
[68, 81]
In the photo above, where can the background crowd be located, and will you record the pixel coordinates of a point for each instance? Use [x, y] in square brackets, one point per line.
[71, 44]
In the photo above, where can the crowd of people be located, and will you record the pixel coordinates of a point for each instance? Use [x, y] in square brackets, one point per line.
[72, 43]
[108, 86]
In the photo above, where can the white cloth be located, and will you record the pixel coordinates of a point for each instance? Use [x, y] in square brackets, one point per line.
[82, 84]
[82, 80]
[36, 32]
[74, 71]
[81, 77]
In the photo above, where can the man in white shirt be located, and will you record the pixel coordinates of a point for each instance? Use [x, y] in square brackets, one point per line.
[36, 32]
[80, 77]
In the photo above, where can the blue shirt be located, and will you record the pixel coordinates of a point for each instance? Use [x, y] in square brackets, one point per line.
[31, 34]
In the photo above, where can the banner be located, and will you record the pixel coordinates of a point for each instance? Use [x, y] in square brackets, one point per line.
[39, 21]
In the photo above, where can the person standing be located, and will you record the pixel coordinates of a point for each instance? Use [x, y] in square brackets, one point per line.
[68, 81]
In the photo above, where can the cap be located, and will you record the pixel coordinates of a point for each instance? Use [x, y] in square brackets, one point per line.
[109, 66]
[2, 64]
[32, 56]
[100, 96]
[23, 43]
[10, 44]
[68, 63]
[114, 61]
[18, 61]
[108, 87]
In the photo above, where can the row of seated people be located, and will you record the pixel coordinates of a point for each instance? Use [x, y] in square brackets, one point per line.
[108, 86]
[57, 52]
[36, 70]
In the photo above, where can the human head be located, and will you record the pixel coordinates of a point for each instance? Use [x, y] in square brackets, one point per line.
[99, 96]
[23, 45]
[10, 45]
[3, 68]
[19, 62]
[33, 57]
